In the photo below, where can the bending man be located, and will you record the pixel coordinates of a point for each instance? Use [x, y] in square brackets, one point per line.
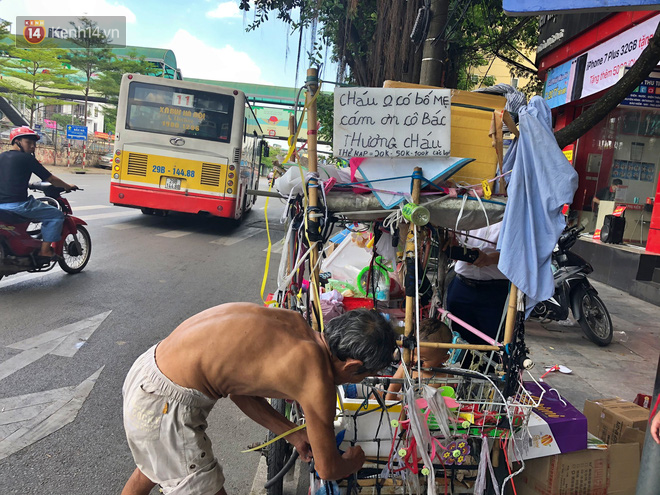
[245, 352]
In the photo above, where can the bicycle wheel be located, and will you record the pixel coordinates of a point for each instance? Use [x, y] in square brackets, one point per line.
[277, 453]
[76, 251]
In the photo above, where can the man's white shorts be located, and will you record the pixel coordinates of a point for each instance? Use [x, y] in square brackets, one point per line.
[165, 427]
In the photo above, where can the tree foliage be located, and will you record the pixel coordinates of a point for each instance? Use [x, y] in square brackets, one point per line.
[34, 74]
[92, 55]
[371, 39]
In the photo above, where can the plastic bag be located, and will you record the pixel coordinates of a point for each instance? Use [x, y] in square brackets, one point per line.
[291, 180]
[348, 259]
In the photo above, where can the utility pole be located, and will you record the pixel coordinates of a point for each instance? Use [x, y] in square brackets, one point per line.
[433, 54]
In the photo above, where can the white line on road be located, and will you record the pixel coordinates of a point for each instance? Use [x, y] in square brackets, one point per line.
[17, 279]
[276, 248]
[238, 237]
[174, 234]
[91, 207]
[99, 216]
[121, 226]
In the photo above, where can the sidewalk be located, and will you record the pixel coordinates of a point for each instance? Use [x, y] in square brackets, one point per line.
[625, 368]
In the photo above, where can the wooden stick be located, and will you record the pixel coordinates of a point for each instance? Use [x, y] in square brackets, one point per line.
[511, 315]
[439, 345]
[410, 253]
[312, 164]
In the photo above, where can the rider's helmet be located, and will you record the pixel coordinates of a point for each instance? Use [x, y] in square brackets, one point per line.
[23, 131]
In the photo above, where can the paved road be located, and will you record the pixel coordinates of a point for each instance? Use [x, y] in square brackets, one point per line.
[146, 275]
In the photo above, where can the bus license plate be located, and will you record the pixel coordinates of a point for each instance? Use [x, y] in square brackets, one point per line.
[172, 183]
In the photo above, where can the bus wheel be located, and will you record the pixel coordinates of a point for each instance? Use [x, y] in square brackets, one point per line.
[147, 211]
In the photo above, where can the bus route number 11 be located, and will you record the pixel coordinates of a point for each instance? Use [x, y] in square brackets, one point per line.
[182, 100]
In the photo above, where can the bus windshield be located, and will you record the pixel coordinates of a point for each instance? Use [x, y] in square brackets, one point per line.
[179, 112]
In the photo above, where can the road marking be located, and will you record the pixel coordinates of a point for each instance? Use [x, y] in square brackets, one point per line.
[26, 419]
[276, 248]
[17, 279]
[121, 226]
[64, 341]
[238, 237]
[99, 216]
[174, 234]
[92, 207]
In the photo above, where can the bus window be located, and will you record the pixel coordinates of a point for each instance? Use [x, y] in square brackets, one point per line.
[176, 112]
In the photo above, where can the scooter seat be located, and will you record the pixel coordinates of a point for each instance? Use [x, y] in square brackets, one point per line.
[9, 217]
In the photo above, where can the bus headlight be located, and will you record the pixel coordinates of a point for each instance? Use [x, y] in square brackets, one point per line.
[230, 190]
[230, 182]
[116, 168]
[116, 176]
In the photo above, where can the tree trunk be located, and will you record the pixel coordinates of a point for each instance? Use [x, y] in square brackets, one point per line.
[434, 57]
[640, 70]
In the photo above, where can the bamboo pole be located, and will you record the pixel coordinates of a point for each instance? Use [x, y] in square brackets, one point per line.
[312, 185]
[440, 345]
[511, 315]
[410, 253]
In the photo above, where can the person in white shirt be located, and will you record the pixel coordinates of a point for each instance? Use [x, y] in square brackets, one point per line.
[478, 292]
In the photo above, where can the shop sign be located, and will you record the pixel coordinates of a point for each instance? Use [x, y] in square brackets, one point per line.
[600, 67]
[536, 7]
[647, 94]
[606, 62]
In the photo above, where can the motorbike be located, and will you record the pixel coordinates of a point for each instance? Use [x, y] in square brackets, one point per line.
[574, 292]
[20, 239]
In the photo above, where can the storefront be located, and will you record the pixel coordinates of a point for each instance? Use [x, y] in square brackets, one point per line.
[580, 56]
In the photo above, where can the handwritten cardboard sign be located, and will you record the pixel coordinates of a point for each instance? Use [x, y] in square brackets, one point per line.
[392, 122]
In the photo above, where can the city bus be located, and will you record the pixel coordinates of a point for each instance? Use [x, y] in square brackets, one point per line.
[186, 147]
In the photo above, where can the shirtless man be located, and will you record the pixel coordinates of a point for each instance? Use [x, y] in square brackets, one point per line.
[245, 352]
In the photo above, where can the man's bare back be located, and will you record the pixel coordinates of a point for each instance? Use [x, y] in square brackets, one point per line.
[244, 349]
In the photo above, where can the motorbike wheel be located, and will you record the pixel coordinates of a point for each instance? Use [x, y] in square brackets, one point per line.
[277, 453]
[594, 318]
[75, 256]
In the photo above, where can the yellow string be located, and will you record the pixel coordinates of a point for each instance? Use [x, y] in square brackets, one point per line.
[286, 433]
[263, 282]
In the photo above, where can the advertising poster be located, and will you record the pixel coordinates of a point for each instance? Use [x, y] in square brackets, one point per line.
[556, 85]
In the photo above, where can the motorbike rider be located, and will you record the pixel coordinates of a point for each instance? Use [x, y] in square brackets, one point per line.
[16, 167]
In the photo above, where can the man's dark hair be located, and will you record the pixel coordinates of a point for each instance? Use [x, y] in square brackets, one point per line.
[362, 334]
[617, 182]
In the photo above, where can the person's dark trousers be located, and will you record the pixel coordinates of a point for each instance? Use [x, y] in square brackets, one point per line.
[478, 303]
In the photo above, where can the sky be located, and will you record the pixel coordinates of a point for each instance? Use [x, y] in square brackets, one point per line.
[208, 37]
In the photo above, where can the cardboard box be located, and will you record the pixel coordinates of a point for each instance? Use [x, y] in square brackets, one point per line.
[608, 418]
[576, 473]
[612, 470]
[554, 427]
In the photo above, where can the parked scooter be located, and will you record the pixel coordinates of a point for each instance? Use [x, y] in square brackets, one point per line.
[20, 240]
[574, 292]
